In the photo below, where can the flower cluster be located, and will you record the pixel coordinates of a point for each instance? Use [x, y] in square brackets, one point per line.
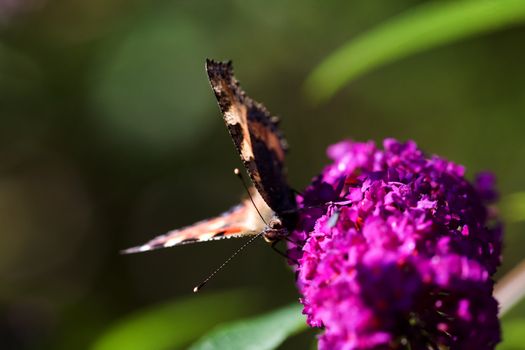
[396, 250]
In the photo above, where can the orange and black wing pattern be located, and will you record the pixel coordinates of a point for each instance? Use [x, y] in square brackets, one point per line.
[256, 136]
[240, 221]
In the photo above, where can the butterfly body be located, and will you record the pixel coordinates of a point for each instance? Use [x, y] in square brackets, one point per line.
[271, 211]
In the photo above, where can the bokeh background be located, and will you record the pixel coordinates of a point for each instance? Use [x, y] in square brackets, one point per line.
[110, 135]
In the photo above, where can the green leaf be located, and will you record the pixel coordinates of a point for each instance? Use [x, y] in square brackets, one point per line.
[513, 334]
[177, 323]
[513, 207]
[419, 29]
[261, 333]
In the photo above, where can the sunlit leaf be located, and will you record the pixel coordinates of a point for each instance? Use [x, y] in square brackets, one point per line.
[513, 334]
[175, 324]
[261, 333]
[422, 28]
[513, 207]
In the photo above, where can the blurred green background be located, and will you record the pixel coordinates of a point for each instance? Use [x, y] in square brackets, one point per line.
[111, 135]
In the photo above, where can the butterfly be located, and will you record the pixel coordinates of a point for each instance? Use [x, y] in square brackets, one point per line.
[272, 210]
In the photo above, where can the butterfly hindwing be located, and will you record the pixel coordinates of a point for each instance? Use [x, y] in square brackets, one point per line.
[256, 135]
[240, 221]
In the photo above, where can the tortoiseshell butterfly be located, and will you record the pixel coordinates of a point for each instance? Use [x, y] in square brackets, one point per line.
[262, 148]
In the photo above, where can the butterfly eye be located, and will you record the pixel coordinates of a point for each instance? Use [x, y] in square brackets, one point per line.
[276, 224]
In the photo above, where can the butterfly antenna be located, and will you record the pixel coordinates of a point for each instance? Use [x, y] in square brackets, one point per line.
[237, 172]
[199, 287]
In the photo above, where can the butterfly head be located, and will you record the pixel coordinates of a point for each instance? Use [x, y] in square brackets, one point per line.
[275, 231]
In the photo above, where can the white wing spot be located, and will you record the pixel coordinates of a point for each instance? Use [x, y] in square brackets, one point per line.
[144, 248]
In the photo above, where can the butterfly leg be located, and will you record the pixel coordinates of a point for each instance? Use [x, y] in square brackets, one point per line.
[283, 254]
[296, 192]
[299, 244]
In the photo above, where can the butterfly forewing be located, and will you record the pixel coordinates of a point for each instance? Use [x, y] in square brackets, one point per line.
[255, 134]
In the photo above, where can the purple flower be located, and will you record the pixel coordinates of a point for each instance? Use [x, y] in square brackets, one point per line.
[397, 250]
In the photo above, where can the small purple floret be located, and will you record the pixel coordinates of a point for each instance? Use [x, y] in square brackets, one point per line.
[396, 250]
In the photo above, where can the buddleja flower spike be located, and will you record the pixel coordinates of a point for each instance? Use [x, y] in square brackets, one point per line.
[402, 255]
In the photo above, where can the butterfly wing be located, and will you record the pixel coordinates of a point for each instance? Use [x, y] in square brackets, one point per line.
[262, 148]
[256, 135]
[240, 221]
